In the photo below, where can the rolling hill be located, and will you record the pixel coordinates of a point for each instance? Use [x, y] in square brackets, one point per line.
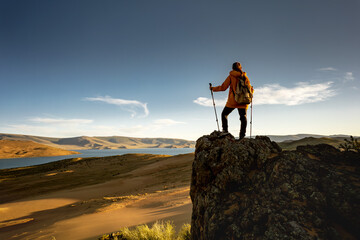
[18, 148]
[113, 142]
[291, 145]
[287, 142]
[282, 138]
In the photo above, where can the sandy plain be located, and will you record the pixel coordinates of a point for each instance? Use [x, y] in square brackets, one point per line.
[85, 198]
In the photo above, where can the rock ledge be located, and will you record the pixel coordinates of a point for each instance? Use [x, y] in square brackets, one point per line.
[250, 189]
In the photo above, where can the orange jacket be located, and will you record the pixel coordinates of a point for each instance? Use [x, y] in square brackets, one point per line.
[231, 81]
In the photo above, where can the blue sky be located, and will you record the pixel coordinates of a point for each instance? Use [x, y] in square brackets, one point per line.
[142, 68]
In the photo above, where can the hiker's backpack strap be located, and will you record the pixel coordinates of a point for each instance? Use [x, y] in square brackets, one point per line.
[232, 89]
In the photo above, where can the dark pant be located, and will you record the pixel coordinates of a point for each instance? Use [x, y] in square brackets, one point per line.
[242, 112]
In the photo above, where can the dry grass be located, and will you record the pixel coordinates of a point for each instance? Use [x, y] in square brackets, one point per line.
[158, 231]
[70, 173]
[17, 149]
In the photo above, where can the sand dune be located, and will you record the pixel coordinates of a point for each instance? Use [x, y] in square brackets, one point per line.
[17, 149]
[85, 198]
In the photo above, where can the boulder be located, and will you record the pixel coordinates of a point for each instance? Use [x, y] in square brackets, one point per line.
[251, 189]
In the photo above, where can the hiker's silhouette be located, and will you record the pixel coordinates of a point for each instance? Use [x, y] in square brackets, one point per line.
[232, 81]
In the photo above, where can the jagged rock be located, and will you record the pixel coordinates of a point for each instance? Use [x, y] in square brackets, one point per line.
[250, 189]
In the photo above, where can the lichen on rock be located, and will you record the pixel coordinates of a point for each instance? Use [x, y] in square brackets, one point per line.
[251, 189]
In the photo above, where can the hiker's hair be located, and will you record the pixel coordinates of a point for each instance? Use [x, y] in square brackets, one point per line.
[236, 67]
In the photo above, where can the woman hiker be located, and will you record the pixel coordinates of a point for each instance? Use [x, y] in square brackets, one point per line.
[231, 104]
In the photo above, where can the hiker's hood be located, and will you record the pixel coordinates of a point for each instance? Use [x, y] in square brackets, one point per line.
[237, 74]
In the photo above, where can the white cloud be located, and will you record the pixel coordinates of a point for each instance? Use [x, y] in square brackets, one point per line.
[348, 77]
[60, 121]
[276, 94]
[52, 130]
[29, 130]
[167, 122]
[207, 102]
[150, 129]
[55, 127]
[128, 105]
[302, 93]
[327, 69]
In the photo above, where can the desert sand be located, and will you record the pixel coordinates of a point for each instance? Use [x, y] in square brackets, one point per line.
[85, 198]
[17, 149]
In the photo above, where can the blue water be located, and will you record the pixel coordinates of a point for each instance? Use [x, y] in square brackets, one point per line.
[24, 162]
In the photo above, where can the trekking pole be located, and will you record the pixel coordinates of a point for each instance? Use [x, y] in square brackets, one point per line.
[251, 119]
[212, 95]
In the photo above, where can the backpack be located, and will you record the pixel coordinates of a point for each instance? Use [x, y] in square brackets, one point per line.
[242, 92]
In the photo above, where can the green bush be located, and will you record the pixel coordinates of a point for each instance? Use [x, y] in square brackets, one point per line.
[158, 231]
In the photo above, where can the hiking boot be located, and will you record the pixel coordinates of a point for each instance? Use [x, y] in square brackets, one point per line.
[241, 136]
[224, 133]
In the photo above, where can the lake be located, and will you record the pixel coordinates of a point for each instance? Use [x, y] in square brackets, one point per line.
[24, 162]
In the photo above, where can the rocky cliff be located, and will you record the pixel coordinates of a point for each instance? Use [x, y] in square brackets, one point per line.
[250, 189]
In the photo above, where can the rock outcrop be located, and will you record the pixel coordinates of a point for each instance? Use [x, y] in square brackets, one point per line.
[250, 189]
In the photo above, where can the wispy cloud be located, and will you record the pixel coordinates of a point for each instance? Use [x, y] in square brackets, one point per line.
[84, 127]
[275, 94]
[61, 121]
[51, 127]
[167, 122]
[154, 127]
[61, 130]
[348, 77]
[129, 105]
[29, 129]
[338, 75]
[327, 69]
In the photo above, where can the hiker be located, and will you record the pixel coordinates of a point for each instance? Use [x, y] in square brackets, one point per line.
[231, 104]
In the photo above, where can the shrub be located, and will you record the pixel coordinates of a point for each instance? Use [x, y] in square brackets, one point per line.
[158, 231]
[184, 233]
[350, 145]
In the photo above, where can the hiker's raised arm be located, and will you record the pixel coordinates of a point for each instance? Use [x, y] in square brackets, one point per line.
[223, 86]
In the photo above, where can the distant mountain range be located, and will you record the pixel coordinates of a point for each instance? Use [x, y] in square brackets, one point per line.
[114, 142]
[291, 145]
[281, 138]
[288, 142]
